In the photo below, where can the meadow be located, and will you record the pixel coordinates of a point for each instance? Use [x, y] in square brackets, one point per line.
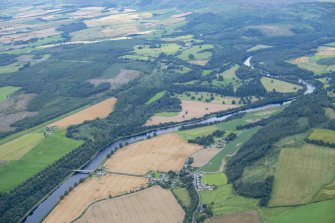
[324, 135]
[156, 97]
[301, 173]
[223, 200]
[216, 163]
[183, 196]
[321, 212]
[271, 84]
[49, 150]
[5, 92]
[217, 179]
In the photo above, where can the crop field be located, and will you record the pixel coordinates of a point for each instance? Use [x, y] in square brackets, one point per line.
[321, 212]
[320, 63]
[271, 84]
[48, 151]
[190, 109]
[156, 97]
[301, 173]
[100, 110]
[92, 190]
[7, 91]
[324, 135]
[15, 149]
[217, 179]
[204, 156]
[161, 153]
[243, 217]
[150, 205]
[182, 195]
[226, 201]
[217, 163]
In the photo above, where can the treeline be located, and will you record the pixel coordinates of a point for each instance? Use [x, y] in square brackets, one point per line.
[289, 122]
[207, 140]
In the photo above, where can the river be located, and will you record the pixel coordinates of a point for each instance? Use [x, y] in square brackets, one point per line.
[42, 210]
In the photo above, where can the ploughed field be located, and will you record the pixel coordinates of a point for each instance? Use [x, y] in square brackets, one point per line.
[147, 206]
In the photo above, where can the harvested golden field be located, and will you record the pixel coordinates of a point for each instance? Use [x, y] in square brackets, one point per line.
[244, 217]
[151, 205]
[92, 190]
[161, 153]
[191, 109]
[100, 110]
[204, 156]
[300, 60]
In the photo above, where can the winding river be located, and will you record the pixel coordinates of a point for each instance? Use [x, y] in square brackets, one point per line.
[42, 210]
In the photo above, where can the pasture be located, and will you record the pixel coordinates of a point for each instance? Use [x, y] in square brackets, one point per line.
[271, 84]
[167, 114]
[217, 163]
[150, 205]
[229, 77]
[217, 179]
[5, 92]
[243, 217]
[226, 201]
[46, 152]
[190, 110]
[156, 97]
[161, 153]
[301, 173]
[92, 190]
[330, 113]
[199, 54]
[258, 47]
[208, 97]
[196, 132]
[100, 110]
[183, 196]
[15, 149]
[203, 156]
[321, 212]
[324, 135]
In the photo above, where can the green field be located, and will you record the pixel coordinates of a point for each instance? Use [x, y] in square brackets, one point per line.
[15, 149]
[217, 179]
[312, 64]
[258, 47]
[7, 91]
[301, 173]
[324, 135]
[156, 97]
[48, 151]
[229, 77]
[320, 212]
[194, 133]
[171, 48]
[271, 84]
[201, 52]
[183, 196]
[226, 201]
[207, 97]
[330, 113]
[231, 148]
